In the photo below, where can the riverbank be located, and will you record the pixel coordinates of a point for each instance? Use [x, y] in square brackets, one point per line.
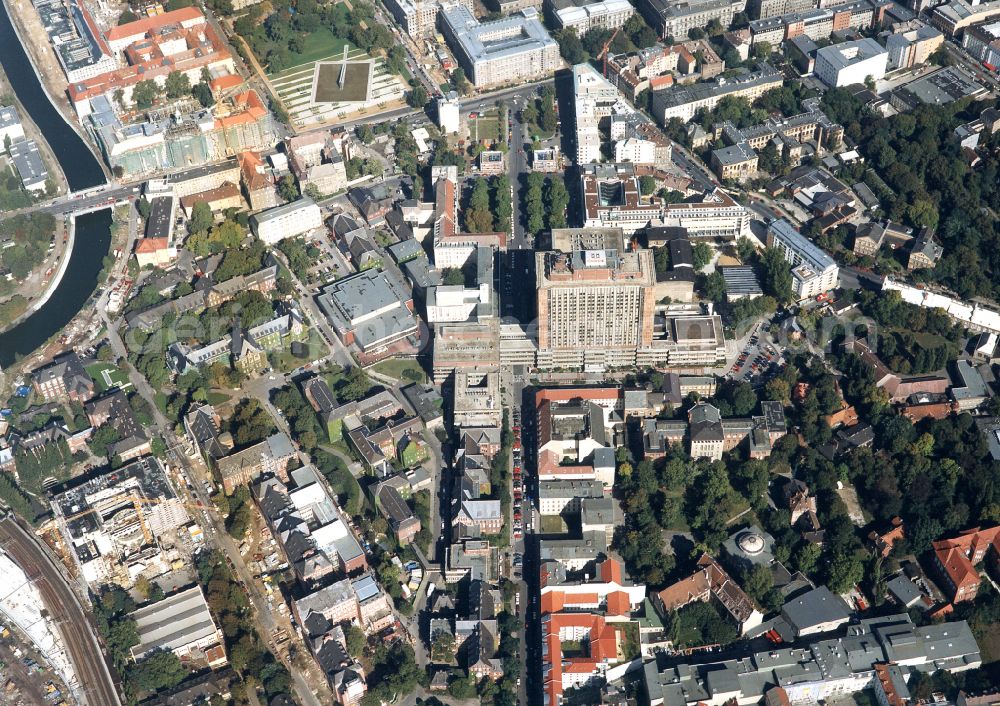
[53, 284]
[32, 132]
[68, 312]
[41, 55]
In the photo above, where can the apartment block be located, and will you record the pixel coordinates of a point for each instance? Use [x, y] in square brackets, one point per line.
[673, 19]
[813, 271]
[684, 101]
[982, 42]
[309, 526]
[955, 16]
[288, 221]
[817, 23]
[915, 46]
[64, 377]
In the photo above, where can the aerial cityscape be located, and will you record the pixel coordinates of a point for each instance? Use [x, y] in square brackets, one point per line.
[500, 352]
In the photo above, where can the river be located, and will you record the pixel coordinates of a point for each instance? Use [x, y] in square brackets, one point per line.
[83, 171]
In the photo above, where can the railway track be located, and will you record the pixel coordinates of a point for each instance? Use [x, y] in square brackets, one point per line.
[65, 608]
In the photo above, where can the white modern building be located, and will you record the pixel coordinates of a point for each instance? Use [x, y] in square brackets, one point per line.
[509, 50]
[585, 15]
[287, 221]
[10, 125]
[449, 112]
[813, 271]
[851, 62]
[595, 98]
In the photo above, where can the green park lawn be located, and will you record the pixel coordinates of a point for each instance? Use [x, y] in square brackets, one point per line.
[317, 46]
[401, 369]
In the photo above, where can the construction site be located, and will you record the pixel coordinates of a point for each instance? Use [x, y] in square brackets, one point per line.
[123, 524]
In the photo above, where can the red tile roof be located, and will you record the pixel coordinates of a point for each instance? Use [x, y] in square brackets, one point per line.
[150, 245]
[958, 567]
[143, 26]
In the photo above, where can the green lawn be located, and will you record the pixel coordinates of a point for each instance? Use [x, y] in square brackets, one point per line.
[401, 369]
[321, 44]
[214, 397]
[553, 524]
[486, 124]
[107, 376]
[282, 359]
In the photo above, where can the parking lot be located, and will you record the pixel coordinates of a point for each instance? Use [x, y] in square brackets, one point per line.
[758, 361]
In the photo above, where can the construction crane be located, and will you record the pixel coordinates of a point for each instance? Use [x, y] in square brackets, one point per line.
[604, 51]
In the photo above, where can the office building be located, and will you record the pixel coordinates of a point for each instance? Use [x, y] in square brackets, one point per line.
[789, 135]
[956, 561]
[477, 398]
[78, 43]
[370, 309]
[418, 18]
[851, 62]
[292, 219]
[180, 623]
[242, 348]
[546, 160]
[818, 671]
[735, 162]
[710, 583]
[940, 87]
[593, 293]
[187, 139]
[461, 346]
[914, 47]
[611, 198]
[684, 101]
[577, 431]
[556, 497]
[813, 271]
[491, 163]
[585, 15]
[509, 50]
[29, 165]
